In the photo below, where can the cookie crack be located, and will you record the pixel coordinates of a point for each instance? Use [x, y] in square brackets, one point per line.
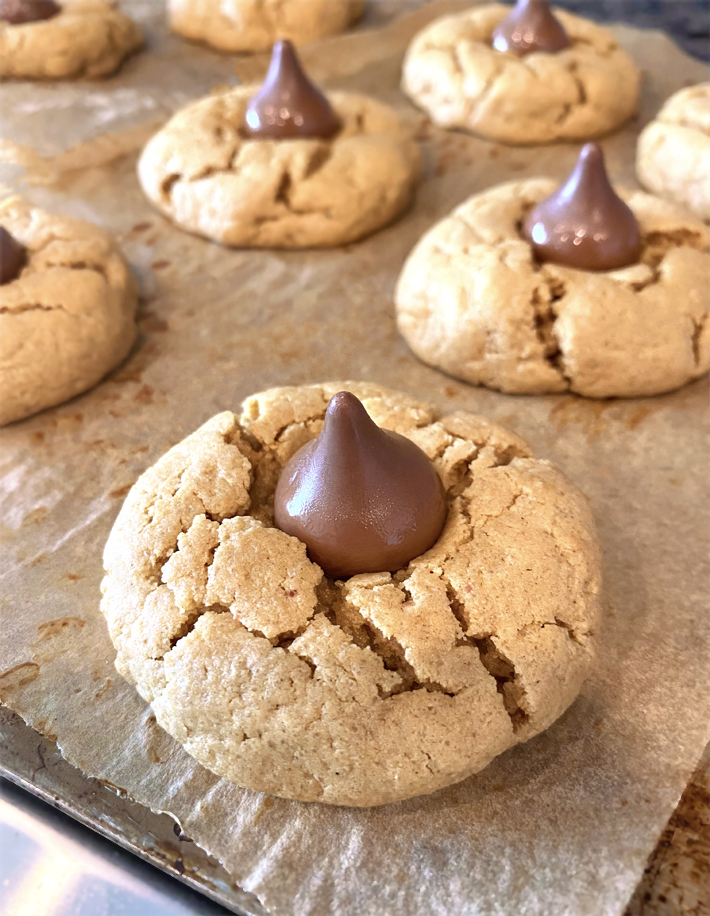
[544, 318]
[69, 265]
[304, 657]
[382, 693]
[581, 99]
[283, 190]
[656, 245]
[698, 328]
[650, 280]
[283, 197]
[391, 651]
[564, 113]
[503, 671]
[32, 307]
[233, 437]
[461, 475]
[687, 124]
[503, 458]
[83, 265]
[605, 53]
[442, 448]
[49, 237]
[464, 505]
[366, 634]
[562, 624]
[319, 158]
[579, 83]
[284, 640]
[159, 561]
[459, 611]
[189, 624]
[167, 184]
[287, 427]
[455, 53]
[482, 97]
[493, 515]
[544, 323]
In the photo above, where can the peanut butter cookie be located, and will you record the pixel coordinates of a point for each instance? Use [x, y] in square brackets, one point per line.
[67, 317]
[453, 72]
[207, 175]
[88, 38]
[369, 690]
[473, 301]
[254, 25]
[673, 152]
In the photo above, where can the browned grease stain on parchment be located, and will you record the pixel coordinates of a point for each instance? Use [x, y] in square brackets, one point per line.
[144, 395]
[55, 637]
[104, 688]
[17, 677]
[155, 736]
[53, 628]
[150, 323]
[132, 369]
[593, 416]
[267, 802]
[35, 516]
[120, 492]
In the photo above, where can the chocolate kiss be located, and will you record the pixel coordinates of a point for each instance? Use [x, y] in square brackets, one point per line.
[530, 27]
[12, 257]
[585, 224]
[362, 499]
[17, 12]
[288, 104]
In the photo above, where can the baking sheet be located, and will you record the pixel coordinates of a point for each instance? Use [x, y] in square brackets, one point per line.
[562, 824]
[34, 763]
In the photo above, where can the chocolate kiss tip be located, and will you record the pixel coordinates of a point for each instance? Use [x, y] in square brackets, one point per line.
[585, 224]
[19, 12]
[362, 499]
[529, 27]
[288, 105]
[12, 257]
[592, 155]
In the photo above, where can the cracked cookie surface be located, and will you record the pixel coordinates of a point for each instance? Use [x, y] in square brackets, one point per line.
[87, 38]
[473, 301]
[68, 318]
[209, 178]
[254, 25]
[452, 72]
[371, 690]
[673, 152]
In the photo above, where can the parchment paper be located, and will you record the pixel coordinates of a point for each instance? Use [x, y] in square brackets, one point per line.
[561, 825]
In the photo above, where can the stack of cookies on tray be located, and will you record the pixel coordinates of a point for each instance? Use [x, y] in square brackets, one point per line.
[335, 593]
